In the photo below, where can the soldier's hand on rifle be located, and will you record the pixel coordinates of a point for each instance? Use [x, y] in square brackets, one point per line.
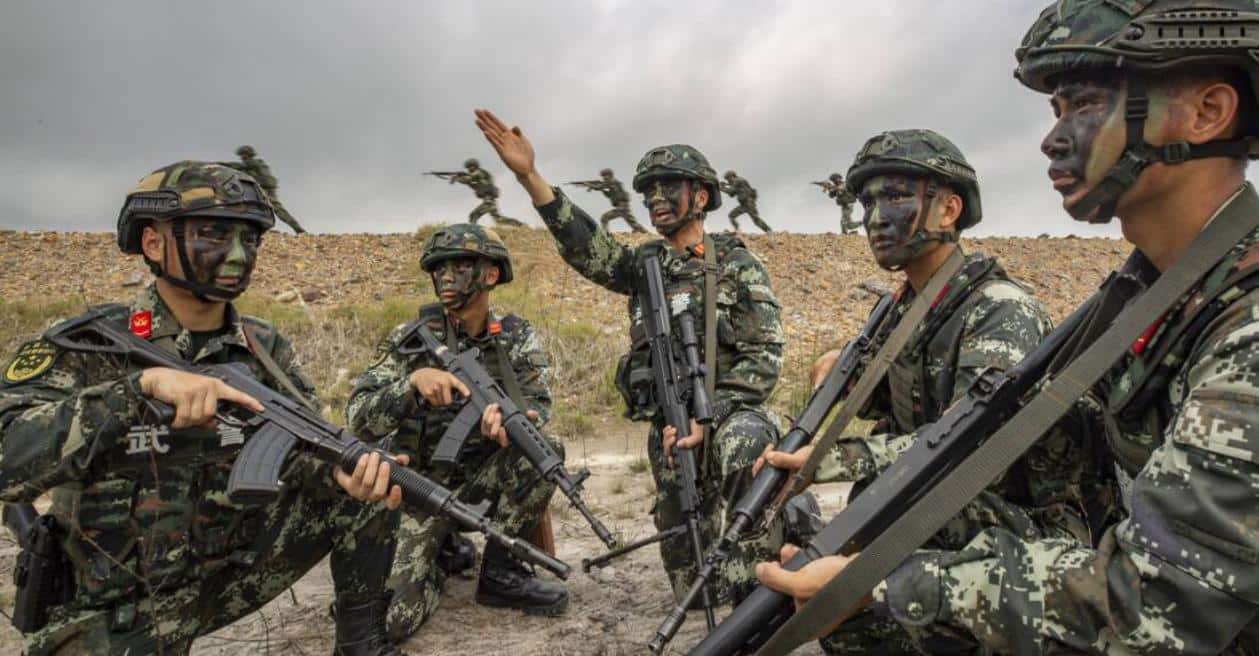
[370, 480]
[670, 434]
[802, 584]
[517, 153]
[438, 387]
[492, 424]
[781, 459]
[194, 397]
[822, 366]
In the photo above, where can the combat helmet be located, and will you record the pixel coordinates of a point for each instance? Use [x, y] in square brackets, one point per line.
[1147, 37]
[191, 188]
[246, 151]
[471, 163]
[607, 173]
[466, 240]
[917, 153]
[835, 177]
[730, 175]
[678, 160]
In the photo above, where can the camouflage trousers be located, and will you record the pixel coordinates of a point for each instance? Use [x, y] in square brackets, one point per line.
[726, 474]
[750, 210]
[621, 212]
[517, 495]
[846, 224]
[298, 530]
[490, 206]
[283, 214]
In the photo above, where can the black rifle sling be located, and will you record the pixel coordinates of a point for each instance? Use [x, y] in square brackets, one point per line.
[925, 516]
[878, 367]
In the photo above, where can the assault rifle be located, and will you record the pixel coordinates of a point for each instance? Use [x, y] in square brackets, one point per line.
[825, 184]
[588, 185]
[285, 425]
[448, 176]
[771, 482]
[938, 449]
[677, 388]
[523, 434]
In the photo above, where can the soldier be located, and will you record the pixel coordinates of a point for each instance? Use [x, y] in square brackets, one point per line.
[919, 194]
[159, 554]
[257, 168]
[835, 187]
[1155, 131]
[739, 189]
[612, 188]
[482, 185]
[412, 400]
[679, 188]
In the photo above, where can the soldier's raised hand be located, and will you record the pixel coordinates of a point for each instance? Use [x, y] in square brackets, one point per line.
[517, 153]
[194, 397]
[437, 386]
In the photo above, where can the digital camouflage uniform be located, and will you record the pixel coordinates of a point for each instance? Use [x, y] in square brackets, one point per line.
[383, 404]
[739, 189]
[1176, 573]
[845, 199]
[749, 359]
[257, 168]
[482, 184]
[160, 554]
[612, 188]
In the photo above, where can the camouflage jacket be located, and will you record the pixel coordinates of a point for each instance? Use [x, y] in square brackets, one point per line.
[258, 169]
[383, 403]
[615, 192]
[842, 195]
[137, 500]
[749, 330]
[1177, 572]
[740, 189]
[481, 182]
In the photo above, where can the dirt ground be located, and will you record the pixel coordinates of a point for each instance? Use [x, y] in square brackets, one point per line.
[612, 611]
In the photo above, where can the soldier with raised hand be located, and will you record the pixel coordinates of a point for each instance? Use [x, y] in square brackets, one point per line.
[1155, 109]
[412, 400]
[257, 168]
[679, 187]
[158, 553]
[919, 194]
[612, 188]
[739, 189]
[482, 184]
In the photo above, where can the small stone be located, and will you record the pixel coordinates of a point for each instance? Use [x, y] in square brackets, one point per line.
[875, 287]
[134, 281]
[312, 294]
[286, 296]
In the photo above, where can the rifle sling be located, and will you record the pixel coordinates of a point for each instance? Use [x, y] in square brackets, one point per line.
[878, 367]
[879, 558]
[710, 332]
[269, 364]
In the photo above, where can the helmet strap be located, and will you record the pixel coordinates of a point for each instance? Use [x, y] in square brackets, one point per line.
[203, 292]
[1139, 154]
[924, 236]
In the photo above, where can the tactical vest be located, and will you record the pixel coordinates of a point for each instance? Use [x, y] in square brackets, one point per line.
[917, 397]
[157, 507]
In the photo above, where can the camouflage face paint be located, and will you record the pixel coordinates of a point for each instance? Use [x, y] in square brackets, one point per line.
[892, 205]
[222, 253]
[1088, 137]
[668, 204]
[456, 281]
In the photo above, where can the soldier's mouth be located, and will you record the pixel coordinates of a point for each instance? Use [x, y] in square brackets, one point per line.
[661, 213]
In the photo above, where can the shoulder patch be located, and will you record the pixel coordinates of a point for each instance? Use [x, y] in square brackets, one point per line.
[33, 359]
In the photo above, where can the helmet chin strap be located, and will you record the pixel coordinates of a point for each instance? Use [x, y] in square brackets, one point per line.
[670, 229]
[204, 293]
[1098, 205]
[923, 236]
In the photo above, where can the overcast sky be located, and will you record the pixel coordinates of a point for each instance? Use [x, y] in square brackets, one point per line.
[350, 101]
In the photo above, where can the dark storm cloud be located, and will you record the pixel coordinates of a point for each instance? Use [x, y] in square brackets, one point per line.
[349, 102]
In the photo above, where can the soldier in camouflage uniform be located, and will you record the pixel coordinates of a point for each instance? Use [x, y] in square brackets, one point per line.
[919, 193]
[612, 188]
[410, 399]
[836, 188]
[739, 189]
[159, 554]
[253, 165]
[678, 188]
[482, 184]
[1155, 131]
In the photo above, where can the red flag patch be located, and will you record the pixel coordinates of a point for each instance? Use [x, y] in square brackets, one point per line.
[142, 323]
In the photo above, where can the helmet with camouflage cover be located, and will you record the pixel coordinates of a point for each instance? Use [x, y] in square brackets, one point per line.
[730, 175]
[471, 163]
[466, 240]
[246, 151]
[835, 177]
[190, 188]
[918, 153]
[678, 160]
[1146, 37]
[607, 173]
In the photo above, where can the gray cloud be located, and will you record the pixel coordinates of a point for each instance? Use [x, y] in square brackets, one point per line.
[349, 102]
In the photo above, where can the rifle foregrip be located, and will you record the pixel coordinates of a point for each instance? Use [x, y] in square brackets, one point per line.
[255, 476]
[751, 623]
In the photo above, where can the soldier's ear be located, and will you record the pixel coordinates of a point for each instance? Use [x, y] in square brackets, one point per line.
[701, 198]
[492, 275]
[152, 243]
[950, 206]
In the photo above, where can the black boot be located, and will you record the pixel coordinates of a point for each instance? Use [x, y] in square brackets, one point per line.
[506, 583]
[457, 554]
[361, 628]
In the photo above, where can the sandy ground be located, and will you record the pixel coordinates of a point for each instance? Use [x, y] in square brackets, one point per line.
[613, 611]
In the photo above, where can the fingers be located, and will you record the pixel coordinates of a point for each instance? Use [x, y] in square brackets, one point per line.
[762, 459]
[458, 384]
[774, 577]
[790, 461]
[692, 441]
[532, 414]
[230, 394]
[394, 501]
[381, 487]
[787, 552]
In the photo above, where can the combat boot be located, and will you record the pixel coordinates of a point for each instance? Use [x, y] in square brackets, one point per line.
[457, 555]
[361, 628]
[506, 583]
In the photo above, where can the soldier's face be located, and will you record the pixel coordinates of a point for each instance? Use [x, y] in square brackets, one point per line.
[667, 201]
[1087, 138]
[893, 205]
[456, 281]
[222, 252]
